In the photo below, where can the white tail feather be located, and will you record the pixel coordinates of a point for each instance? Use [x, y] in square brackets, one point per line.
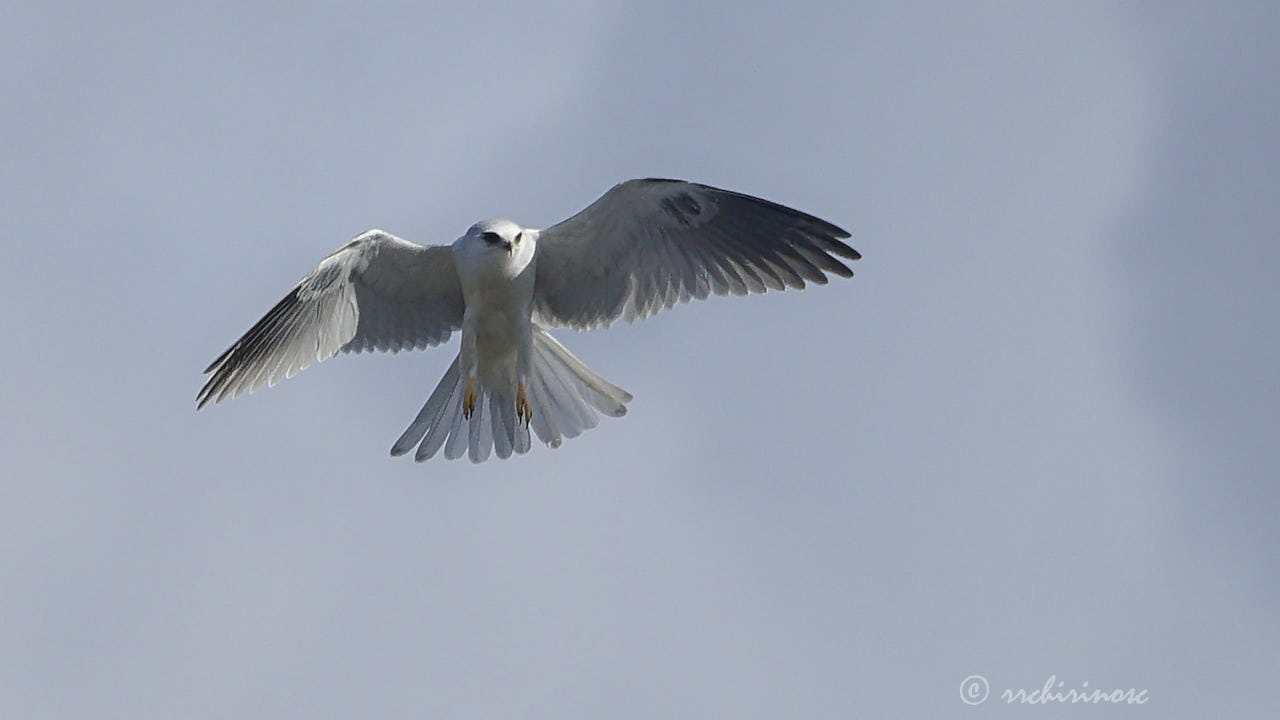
[564, 393]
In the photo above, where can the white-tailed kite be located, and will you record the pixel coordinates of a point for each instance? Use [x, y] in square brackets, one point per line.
[642, 247]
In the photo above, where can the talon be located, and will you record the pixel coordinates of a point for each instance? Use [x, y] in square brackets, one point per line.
[523, 409]
[469, 399]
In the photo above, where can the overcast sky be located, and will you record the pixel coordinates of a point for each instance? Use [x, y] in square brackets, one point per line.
[1034, 436]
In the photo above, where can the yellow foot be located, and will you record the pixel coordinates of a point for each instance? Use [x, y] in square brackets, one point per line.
[523, 408]
[469, 399]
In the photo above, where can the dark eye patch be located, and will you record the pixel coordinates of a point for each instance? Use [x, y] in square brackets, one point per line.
[490, 236]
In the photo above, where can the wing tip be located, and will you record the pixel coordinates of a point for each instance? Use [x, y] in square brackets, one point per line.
[846, 251]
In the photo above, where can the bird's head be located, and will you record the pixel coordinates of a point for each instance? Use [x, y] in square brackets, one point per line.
[496, 235]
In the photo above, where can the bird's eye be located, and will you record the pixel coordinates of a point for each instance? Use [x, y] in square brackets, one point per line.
[490, 236]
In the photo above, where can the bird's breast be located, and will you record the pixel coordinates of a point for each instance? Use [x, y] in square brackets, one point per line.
[497, 308]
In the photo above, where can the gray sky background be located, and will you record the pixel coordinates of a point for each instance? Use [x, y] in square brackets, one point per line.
[1036, 435]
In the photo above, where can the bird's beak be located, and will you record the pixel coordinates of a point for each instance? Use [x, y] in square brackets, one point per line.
[507, 244]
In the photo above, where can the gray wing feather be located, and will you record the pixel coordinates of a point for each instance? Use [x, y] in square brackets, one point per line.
[377, 292]
[647, 245]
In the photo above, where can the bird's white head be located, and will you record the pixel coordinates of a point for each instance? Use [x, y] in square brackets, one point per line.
[499, 236]
[497, 246]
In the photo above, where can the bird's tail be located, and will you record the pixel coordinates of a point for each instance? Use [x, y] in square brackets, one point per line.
[563, 392]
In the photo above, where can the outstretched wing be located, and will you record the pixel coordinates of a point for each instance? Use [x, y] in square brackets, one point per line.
[648, 244]
[377, 292]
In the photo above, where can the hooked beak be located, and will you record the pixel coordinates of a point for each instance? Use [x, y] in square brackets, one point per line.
[509, 245]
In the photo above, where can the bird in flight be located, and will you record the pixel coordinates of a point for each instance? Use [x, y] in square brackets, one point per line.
[642, 247]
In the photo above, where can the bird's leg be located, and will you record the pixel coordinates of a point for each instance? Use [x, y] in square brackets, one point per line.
[467, 364]
[523, 409]
[469, 398]
[524, 363]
